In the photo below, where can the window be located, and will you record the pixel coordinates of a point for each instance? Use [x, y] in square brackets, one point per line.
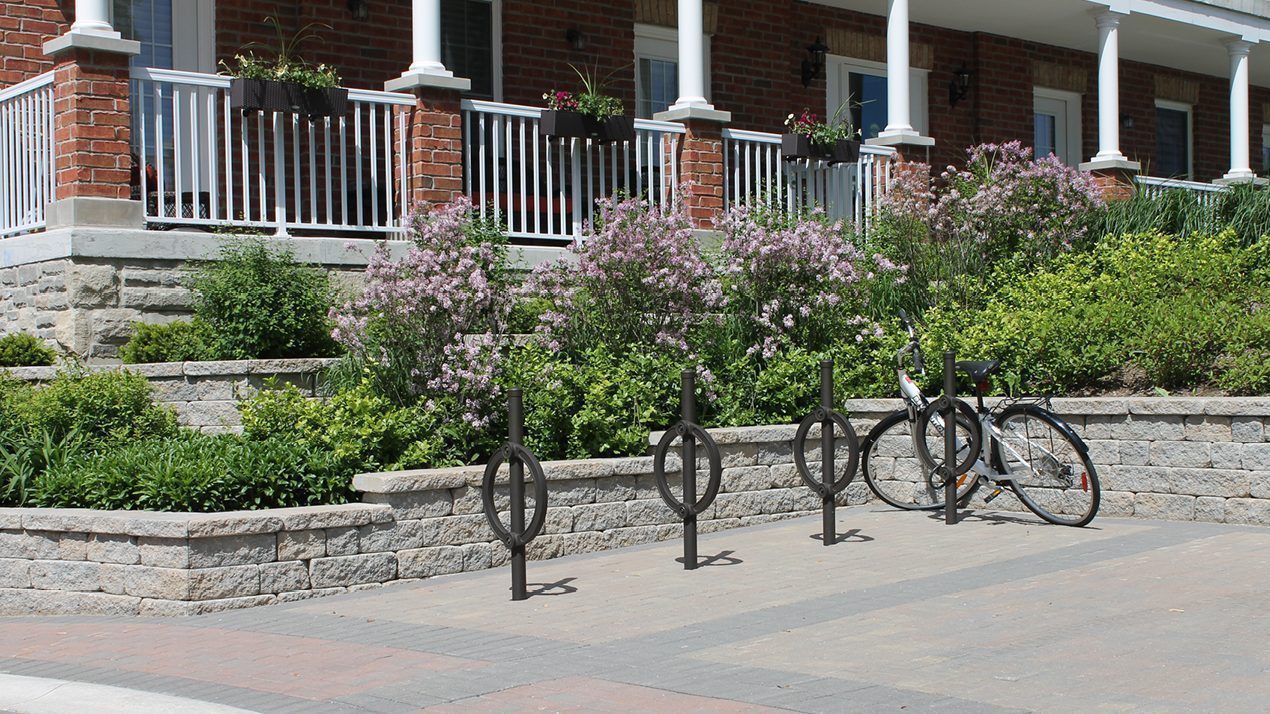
[469, 44]
[1172, 140]
[174, 34]
[657, 69]
[1265, 150]
[862, 85]
[1056, 124]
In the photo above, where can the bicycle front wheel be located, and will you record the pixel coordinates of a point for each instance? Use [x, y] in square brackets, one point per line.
[1048, 466]
[896, 474]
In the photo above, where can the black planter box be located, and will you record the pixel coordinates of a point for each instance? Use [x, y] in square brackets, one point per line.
[797, 146]
[575, 125]
[269, 95]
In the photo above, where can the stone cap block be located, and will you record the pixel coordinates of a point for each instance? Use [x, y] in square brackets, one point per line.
[743, 434]
[153, 524]
[415, 479]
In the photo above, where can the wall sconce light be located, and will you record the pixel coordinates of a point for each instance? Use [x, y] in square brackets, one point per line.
[959, 85]
[576, 39]
[814, 64]
[1126, 121]
[360, 9]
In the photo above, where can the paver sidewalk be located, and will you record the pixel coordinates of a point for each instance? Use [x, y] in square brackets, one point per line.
[999, 613]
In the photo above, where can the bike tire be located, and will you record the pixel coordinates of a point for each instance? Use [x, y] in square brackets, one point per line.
[898, 476]
[1047, 466]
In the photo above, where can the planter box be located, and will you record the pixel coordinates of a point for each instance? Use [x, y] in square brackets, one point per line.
[269, 95]
[797, 146]
[575, 125]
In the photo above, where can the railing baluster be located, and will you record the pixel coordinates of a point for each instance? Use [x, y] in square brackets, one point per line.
[389, 208]
[313, 154]
[374, 167]
[524, 191]
[326, 165]
[538, 203]
[357, 156]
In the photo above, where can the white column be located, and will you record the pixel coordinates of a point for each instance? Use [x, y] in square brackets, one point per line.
[1109, 88]
[426, 68]
[426, 25]
[898, 112]
[1239, 163]
[692, 70]
[93, 17]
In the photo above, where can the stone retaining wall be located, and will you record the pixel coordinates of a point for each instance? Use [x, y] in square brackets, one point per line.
[1177, 458]
[204, 395]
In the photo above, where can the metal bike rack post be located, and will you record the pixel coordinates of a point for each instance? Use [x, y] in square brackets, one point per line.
[950, 438]
[517, 458]
[690, 433]
[826, 487]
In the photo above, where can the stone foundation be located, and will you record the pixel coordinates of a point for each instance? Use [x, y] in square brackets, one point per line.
[1165, 458]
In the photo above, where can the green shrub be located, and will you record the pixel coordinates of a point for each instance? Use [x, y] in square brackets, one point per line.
[197, 472]
[259, 303]
[22, 350]
[1244, 209]
[25, 455]
[99, 406]
[179, 341]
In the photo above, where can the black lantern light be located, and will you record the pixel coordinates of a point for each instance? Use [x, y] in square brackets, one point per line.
[575, 38]
[959, 86]
[814, 64]
[359, 9]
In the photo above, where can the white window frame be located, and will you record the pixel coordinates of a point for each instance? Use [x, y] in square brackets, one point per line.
[495, 48]
[918, 81]
[1072, 154]
[193, 43]
[1189, 110]
[662, 43]
[1265, 144]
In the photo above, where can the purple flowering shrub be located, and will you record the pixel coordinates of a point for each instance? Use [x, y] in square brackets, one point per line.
[798, 281]
[427, 326]
[1003, 210]
[639, 281]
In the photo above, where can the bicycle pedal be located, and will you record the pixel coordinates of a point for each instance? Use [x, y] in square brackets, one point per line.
[994, 494]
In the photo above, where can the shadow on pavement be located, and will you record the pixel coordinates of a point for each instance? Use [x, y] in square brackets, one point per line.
[723, 558]
[853, 534]
[560, 587]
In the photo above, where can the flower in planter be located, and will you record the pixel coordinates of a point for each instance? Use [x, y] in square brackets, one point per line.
[591, 101]
[286, 66]
[822, 133]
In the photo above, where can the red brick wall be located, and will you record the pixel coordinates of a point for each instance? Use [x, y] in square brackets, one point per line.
[755, 64]
[25, 25]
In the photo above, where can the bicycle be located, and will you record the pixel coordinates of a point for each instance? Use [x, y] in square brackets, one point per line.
[1028, 451]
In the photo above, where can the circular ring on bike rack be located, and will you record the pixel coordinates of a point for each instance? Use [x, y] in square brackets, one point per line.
[936, 408]
[716, 468]
[515, 452]
[800, 457]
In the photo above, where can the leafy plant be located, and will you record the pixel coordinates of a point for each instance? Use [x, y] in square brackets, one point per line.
[98, 406]
[22, 350]
[177, 341]
[591, 101]
[259, 303]
[823, 133]
[286, 65]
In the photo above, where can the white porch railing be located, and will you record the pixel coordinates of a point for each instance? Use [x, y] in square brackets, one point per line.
[206, 164]
[545, 188]
[754, 171]
[1153, 186]
[26, 155]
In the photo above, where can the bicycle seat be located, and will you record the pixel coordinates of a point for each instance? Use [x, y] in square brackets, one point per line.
[979, 371]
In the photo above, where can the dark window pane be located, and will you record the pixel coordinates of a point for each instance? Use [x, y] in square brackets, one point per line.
[467, 43]
[1046, 137]
[1172, 149]
[868, 103]
[658, 86]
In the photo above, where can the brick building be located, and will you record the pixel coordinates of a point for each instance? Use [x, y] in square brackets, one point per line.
[114, 121]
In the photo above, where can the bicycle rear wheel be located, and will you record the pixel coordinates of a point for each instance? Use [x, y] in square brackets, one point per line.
[897, 475]
[1048, 466]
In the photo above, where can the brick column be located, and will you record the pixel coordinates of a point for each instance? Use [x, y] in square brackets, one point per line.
[92, 130]
[701, 171]
[1115, 184]
[434, 147]
[91, 120]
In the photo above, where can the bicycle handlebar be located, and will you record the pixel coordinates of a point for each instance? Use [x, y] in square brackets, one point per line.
[913, 346]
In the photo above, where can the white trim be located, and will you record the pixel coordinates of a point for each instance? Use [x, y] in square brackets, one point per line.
[1072, 152]
[1265, 144]
[194, 43]
[496, 48]
[1190, 132]
[919, 96]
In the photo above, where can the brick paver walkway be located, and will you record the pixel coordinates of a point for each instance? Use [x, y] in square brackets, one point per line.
[999, 613]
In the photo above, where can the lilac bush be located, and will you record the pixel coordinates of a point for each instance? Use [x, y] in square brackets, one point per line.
[636, 280]
[798, 282]
[427, 325]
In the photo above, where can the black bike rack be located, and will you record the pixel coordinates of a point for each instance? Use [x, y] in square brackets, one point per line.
[690, 432]
[517, 458]
[948, 470]
[827, 488]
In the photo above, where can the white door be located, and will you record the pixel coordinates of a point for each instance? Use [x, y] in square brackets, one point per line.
[1056, 125]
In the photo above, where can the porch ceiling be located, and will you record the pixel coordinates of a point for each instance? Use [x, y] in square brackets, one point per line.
[1181, 44]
